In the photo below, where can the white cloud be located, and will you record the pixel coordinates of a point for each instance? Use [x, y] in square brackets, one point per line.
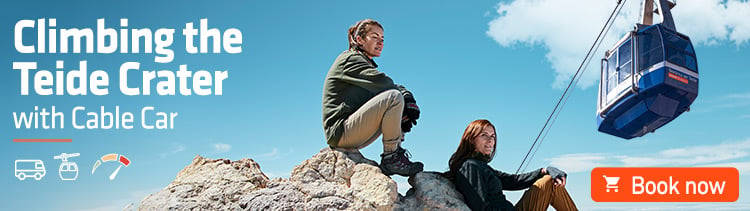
[568, 28]
[706, 155]
[177, 148]
[712, 21]
[221, 148]
[691, 155]
[728, 102]
[579, 162]
[742, 167]
[274, 154]
[736, 96]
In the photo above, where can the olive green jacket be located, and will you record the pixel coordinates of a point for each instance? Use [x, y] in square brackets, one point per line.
[351, 81]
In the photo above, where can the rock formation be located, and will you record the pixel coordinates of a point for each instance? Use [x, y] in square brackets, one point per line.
[208, 184]
[431, 191]
[327, 181]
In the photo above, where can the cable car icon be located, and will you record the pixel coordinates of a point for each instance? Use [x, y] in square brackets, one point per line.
[29, 168]
[611, 182]
[112, 157]
[68, 170]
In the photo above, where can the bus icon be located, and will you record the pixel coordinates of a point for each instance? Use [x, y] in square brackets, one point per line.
[30, 168]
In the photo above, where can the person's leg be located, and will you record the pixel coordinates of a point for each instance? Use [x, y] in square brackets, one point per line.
[543, 194]
[391, 124]
[383, 114]
[538, 196]
[365, 125]
[355, 155]
[376, 115]
[395, 159]
[561, 200]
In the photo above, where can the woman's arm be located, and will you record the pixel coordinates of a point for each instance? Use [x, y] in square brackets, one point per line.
[360, 72]
[519, 181]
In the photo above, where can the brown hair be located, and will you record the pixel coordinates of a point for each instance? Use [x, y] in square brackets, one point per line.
[466, 148]
[359, 29]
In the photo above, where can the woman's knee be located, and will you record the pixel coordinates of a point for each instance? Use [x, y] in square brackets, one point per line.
[545, 183]
[394, 95]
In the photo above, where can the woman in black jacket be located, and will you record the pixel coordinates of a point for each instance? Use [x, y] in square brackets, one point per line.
[482, 186]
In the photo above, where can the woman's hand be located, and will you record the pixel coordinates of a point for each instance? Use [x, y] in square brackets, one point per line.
[411, 110]
[558, 175]
[560, 182]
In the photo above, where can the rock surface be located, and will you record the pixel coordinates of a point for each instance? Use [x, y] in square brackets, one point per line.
[431, 191]
[208, 185]
[327, 181]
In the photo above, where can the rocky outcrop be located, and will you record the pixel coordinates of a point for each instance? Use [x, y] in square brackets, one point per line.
[431, 191]
[327, 181]
[208, 184]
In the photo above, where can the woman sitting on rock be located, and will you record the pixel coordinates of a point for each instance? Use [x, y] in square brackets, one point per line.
[360, 103]
[482, 186]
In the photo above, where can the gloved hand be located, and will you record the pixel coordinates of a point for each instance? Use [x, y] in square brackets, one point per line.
[410, 116]
[556, 173]
[406, 124]
[411, 110]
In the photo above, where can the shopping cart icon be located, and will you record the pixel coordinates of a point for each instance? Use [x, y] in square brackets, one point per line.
[611, 182]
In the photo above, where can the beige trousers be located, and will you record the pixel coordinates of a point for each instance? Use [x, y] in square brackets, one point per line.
[379, 115]
[543, 194]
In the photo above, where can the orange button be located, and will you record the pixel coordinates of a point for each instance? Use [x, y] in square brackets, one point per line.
[683, 184]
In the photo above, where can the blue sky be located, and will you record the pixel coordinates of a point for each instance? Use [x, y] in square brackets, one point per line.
[500, 60]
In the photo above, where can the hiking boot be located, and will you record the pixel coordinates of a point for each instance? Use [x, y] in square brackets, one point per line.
[397, 162]
[356, 156]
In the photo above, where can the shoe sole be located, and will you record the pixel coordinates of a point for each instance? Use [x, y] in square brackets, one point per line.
[390, 173]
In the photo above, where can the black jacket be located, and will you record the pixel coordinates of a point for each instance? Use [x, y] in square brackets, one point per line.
[483, 186]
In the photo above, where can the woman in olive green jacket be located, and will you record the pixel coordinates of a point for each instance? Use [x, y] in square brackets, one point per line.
[360, 103]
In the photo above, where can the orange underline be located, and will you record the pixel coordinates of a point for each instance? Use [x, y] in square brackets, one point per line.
[43, 140]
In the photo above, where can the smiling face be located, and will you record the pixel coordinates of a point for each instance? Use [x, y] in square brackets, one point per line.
[372, 41]
[486, 141]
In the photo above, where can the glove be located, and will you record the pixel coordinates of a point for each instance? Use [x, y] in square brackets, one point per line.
[556, 173]
[406, 124]
[410, 116]
[411, 111]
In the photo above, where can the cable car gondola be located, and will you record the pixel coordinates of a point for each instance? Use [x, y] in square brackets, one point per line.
[648, 78]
